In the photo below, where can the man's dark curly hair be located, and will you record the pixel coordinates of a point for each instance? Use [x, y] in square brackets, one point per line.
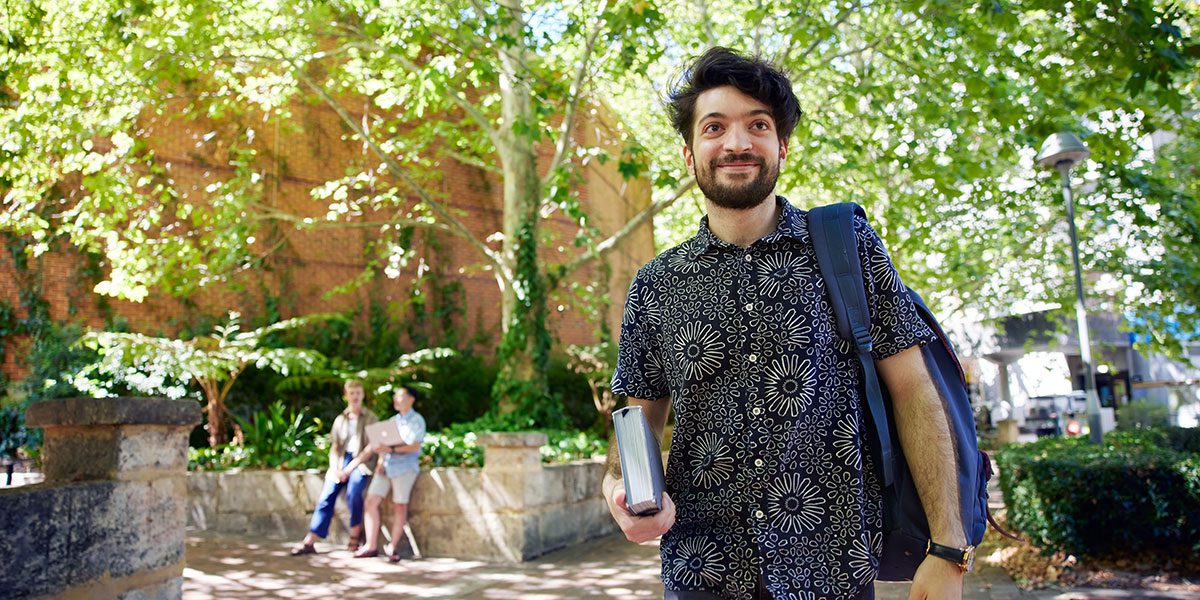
[753, 76]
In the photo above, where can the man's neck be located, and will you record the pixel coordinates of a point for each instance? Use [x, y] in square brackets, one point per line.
[743, 227]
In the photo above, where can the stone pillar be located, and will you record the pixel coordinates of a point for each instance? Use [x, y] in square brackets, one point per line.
[109, 520]
[1007, 429]
[514, 487]
[512, 450]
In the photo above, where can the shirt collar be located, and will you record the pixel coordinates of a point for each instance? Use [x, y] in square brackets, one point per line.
[792, 224]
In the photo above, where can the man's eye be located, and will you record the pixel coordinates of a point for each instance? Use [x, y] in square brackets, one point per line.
[762, 125]
[711, 127]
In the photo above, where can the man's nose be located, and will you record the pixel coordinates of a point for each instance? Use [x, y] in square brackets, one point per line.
[737, 140]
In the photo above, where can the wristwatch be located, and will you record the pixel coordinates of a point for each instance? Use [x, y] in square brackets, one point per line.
[963, 558]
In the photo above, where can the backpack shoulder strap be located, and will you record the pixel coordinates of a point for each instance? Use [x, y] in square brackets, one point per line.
[832, 231]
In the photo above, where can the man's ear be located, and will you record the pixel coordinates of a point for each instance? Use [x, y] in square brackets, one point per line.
[783, 148]
[688, 159]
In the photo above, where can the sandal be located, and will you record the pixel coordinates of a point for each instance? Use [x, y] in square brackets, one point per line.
[394, 554]
[302, 549]
[362, 553]
[354, 543]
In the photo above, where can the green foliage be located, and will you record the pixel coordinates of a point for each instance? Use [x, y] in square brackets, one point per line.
[54, 357]
[1131, 494]
[13, 435]
[896, 95]
[456, 446]
[1141, 414]
[521, 390]
[565, 446]
[460, 390]
[276, 438]
[575, 394]
[156, 365]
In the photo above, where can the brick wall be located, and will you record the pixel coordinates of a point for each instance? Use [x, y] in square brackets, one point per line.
[299, 154]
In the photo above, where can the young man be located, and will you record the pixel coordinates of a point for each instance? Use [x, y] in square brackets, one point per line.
[347, 443]
[771, 492]
[398, 473]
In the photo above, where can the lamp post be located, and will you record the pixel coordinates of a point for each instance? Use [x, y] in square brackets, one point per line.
[1061, 151]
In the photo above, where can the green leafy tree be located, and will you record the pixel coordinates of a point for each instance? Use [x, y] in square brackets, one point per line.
[928, 112]
[156, 365]
[502, 86]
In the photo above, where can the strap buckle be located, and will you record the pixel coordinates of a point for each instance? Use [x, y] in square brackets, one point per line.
[862, 339]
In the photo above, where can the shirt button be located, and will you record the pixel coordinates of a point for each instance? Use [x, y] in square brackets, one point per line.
[757, 411]
[749, 306]
[758, 514]
[758, 462]
[749, 258]
[753, 358]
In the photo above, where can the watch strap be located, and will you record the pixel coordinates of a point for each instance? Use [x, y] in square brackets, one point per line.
[961, 557]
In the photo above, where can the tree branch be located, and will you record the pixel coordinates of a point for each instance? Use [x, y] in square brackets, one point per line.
[456, 226]
[568, 124]
[609, 244]
[474, 162]
[709, 35]
[787, 57]
[280, 215]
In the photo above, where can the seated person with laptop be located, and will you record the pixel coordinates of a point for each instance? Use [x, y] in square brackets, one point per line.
[398, 440]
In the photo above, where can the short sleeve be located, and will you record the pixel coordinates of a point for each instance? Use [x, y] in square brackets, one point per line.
[414, 431]
[639, 371]
[895, 324]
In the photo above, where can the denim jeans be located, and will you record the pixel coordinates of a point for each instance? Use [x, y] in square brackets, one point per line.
[355, 486]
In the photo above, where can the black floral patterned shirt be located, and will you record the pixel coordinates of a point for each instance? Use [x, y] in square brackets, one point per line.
[766, 467]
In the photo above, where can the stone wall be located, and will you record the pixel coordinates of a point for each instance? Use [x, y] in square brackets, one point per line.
[108, 522]
[511, 510]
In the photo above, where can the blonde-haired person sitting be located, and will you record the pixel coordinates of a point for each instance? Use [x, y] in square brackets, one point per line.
[348, 443]
[397, 472]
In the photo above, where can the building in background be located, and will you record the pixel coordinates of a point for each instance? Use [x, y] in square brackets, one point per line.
[1034, 356]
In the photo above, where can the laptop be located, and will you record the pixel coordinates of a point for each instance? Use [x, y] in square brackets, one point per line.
[384, 432]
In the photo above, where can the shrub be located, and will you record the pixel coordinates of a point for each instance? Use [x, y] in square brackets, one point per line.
[1129, 495]
[1142, 414]
[12, 431]
[273, 439]
[461, 390]
[457, 446]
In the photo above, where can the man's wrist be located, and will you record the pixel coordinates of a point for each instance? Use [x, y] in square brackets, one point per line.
[961, 557]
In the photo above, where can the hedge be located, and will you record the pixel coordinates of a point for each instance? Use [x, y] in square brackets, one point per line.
[1138, 492]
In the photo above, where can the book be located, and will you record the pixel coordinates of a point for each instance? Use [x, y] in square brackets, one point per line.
[641, 461]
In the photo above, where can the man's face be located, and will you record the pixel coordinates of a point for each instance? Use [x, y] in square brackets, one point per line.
[402, 400]
[354, 397]
[735, 149]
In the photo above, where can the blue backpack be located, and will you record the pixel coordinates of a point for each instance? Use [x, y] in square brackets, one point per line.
[906, 531]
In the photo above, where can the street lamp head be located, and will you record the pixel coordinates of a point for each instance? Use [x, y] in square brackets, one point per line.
[1062, 148]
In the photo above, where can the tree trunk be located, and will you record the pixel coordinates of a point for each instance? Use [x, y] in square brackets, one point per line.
[216, 419]
[524, 344]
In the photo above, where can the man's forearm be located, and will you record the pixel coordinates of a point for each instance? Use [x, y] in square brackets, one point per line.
[612, 464]
[924, 431]
[925, 437]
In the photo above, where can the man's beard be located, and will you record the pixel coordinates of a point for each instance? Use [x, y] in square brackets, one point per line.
[742, 195]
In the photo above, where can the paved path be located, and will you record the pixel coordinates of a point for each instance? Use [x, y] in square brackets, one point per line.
[221, 567]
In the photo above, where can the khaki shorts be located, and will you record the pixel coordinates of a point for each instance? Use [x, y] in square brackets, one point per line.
[401, 486]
